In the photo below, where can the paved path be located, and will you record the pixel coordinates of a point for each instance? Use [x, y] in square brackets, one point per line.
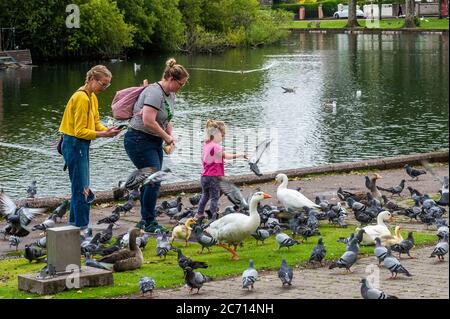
[430, 281]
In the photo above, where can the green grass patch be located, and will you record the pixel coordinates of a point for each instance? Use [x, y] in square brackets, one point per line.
[426, 23]
[168, 274]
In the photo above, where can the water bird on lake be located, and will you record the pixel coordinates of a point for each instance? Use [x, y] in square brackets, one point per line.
[288, 89]
[358, 94]
[136, 67]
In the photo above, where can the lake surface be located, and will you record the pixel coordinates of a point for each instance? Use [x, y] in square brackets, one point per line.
[402, 108]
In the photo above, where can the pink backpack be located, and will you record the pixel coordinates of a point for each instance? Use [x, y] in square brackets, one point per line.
[123, 102]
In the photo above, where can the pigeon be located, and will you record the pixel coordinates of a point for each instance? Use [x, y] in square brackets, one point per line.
[46, 224]
[283, 239]
[18, 218]
[249, 276]
[390, 205]
[134, 195]
[394, 266]
[368, 292]
[137, 178]
[171, 212]
[32, 190]
[349, 258]
[203, 238]
[158, 177]
[194, 280]
[261, 235]
[442, 230]
[324, 205]
[142, 241]
[234, 194]
[89, 262]
[380, 251]
[125, 208]
[444, 200]
[14, 241]
[106, 235]
[412, 212]
[254, 160]
[147, 284]
[414, 173]
[318, 253]
[285, 273]
[441, 249]
[34, 253]
[112, 219]
[306, 232]
[184, 261]
[396, 190]
[404, 246]
[61, 210]
[194, 200]
[415, 194]
[115, 247]
[162, 244]
[346, 240]
[90, 246]
[41, 242]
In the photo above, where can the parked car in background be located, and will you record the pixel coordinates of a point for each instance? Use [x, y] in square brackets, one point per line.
[344, 14]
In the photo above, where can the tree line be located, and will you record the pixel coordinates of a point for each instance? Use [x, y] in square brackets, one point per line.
[110, 28]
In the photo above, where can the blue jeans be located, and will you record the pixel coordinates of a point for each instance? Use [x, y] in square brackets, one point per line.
[145, 150]
[76, 155]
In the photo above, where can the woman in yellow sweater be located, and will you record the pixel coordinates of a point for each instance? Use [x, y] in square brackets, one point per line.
[81, 124]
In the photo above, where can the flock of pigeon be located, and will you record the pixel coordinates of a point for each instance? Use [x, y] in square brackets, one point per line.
[245, 217]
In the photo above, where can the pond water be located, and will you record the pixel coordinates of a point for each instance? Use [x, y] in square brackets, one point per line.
[390, 95]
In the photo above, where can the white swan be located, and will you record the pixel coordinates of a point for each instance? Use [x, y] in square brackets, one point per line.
[378, 230]
[292, 199]
[233, 228]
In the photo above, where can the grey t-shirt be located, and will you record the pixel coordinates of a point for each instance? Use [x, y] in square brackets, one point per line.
[153, 96]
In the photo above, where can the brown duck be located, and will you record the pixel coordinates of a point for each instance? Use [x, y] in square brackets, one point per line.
[371, 184]
[128, 258]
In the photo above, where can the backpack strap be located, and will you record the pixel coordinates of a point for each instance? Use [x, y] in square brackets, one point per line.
[89, 97]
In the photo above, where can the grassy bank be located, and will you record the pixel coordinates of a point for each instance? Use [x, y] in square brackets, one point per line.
[426, 23]
[168, 274]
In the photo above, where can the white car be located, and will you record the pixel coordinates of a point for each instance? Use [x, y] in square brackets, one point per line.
[344, 14]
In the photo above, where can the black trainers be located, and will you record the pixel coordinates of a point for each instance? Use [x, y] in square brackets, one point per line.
[153, 226]
[141, 224]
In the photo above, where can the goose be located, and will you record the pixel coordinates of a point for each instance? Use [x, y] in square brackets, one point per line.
[292, 199]
[389, 240]
[128, 258]
[183, 231]
[378, 230]
[233, 228]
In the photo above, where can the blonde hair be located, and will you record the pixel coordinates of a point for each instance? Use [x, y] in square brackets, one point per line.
[212, 128]
[97, 72]
[174, 70]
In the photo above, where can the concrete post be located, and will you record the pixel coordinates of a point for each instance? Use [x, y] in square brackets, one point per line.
[63, 247]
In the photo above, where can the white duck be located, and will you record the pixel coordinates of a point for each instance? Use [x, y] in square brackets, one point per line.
[292, 199]
[233, 228]
[378, 230]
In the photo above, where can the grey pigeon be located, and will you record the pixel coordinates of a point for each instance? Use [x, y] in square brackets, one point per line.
[346, 240]
[254, 160]
[380, 251]
[89, 262]
[137, 178]
[106, 235]
[113, 218]
[395, 190]
[184, 261]
[404, 246]
[14, 241]
[394, 266]
[32, 190]
[234, 194]
[162, 244]
[288, 90]
[441, 249]
[414, 173]
[34, 253]
[285, 273]
[46, 224]
[249, 276]
[146, 284]
[368, 292]
[283, 239]
[194, 200]
[318, 253]
[261, 235]
[158, 177]
[194, 280]
[203, 238]
[41, 242]
[349, 258]
[61, 210]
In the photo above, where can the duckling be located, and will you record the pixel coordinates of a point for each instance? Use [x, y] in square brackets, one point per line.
[128, 258]
[183, 231]
[389, 240]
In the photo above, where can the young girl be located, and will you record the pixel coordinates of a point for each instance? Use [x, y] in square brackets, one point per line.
[213, 166]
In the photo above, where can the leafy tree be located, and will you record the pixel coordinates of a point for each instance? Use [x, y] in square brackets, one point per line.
[135, 13]
[352, 21]
[410, 15]
[169, 28]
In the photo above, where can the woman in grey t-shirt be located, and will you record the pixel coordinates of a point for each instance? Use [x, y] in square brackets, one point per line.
[151, 126]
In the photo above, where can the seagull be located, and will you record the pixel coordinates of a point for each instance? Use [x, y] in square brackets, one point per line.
[358, 94]
[253, 161]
